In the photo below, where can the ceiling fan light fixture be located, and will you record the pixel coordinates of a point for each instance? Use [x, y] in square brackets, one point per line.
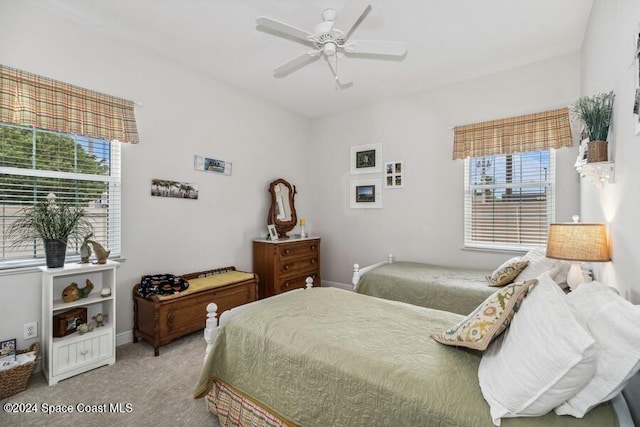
[329, 49]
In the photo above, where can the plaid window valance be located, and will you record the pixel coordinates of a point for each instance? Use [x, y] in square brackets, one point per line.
[29, 99]
[540, 131]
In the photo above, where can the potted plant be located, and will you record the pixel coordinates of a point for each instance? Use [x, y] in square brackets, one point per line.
[52, 222]
[595, 114]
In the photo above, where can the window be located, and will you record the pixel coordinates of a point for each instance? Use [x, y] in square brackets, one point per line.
[509, 200]
[77, 169]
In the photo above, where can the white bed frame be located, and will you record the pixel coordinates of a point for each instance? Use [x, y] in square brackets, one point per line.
[358, 271]
[214, 324]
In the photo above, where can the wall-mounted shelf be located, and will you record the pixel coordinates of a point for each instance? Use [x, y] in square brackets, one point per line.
[598, 173]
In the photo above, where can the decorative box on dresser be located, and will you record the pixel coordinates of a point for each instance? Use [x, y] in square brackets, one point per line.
[283, 265]
[73, 354]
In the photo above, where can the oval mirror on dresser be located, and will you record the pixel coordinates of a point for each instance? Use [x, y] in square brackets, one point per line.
[282, 212]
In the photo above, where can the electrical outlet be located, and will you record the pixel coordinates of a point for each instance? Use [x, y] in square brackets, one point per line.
[30, 330]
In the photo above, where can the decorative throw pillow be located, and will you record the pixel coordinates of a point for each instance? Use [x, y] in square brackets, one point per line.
[487, 321]
[544, 358]
[507, 272]
[614, 324]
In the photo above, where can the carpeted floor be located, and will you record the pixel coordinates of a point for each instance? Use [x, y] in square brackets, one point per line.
[152, 391]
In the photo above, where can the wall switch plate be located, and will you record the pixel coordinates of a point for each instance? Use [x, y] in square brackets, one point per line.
[30, 330]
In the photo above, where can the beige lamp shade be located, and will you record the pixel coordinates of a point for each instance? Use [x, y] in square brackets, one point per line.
[578, 242]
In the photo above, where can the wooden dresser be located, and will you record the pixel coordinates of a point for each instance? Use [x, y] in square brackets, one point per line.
[284, 265]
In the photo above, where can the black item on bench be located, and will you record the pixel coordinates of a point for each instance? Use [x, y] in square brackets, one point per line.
[161, 284]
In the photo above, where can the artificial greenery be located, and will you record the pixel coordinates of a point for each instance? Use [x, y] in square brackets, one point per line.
[49, 220]
[595, 114]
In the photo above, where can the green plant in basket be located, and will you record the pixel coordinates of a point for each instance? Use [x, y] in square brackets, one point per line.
[595, 114]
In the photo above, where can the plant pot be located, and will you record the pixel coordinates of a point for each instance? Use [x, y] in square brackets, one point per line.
[597, 151]
[55, 252]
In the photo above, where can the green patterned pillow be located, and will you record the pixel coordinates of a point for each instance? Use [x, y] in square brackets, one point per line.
[489, 320]
[508, 271]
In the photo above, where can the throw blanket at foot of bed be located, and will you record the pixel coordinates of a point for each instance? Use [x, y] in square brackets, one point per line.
[329, 357]
[458, 290]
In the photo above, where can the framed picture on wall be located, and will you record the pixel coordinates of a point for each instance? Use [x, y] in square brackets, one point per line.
[366, 159]
[394, 174]
[365, 193]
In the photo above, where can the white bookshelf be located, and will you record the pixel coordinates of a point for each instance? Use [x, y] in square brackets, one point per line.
[73, 354]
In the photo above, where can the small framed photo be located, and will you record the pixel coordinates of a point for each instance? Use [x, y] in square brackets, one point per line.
[208, 164]
[366, 159]
[366, 193]
[394, 174]
[8, 348]
[273, 233]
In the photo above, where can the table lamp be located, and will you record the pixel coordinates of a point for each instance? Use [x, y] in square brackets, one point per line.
[577, 242]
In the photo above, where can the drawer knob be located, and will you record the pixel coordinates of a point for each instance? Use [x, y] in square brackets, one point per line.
[313, 247]
[287, 251]
[286, 267]
[313, 261]
[84, 352]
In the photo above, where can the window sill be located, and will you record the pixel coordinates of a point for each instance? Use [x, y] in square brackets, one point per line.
[34, 267]
[495, 250]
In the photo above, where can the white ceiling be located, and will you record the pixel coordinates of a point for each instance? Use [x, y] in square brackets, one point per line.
[447, 41]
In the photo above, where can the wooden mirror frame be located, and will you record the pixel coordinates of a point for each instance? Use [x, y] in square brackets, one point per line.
[282, 227]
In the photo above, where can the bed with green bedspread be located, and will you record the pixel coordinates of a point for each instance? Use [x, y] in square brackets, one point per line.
[330, 357]
[457, 290]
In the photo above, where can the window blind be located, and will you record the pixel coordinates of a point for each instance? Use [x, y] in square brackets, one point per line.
[509, 200]
[79, 170]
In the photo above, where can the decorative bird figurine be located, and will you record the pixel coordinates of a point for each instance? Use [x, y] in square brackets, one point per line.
[101, 253]
[73, 292]
[85, 250]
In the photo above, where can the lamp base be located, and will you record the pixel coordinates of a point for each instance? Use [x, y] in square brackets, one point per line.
[575, 276]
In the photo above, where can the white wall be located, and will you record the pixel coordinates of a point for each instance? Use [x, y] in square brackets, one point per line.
[424, 221]
[607, 64]
[183, 113]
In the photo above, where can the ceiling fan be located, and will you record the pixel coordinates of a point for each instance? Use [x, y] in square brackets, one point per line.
[330, 39]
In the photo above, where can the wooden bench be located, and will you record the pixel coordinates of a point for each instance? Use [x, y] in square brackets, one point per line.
[162, 318]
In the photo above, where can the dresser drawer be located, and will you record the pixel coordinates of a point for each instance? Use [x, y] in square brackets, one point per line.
[298, 265]
[296, 282]
[305, 248]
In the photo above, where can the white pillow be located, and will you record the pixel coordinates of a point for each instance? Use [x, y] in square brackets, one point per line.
[615, 325]
[538, 264]
[544, 358]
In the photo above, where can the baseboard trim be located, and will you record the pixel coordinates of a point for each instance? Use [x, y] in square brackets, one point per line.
[124, 338]
[344, 286]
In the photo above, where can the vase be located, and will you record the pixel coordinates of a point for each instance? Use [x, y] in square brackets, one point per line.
[55, 251]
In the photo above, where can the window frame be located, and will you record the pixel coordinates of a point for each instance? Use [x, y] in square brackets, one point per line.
[114, 212]
[468, 190]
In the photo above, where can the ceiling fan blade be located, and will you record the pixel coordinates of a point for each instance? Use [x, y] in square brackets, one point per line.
[283, 28]
[296, 63]
[349, 15]
[341, 78]
[375, 47]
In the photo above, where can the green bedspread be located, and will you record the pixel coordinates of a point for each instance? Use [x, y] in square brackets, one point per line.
[451, 289]
[329, 357]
